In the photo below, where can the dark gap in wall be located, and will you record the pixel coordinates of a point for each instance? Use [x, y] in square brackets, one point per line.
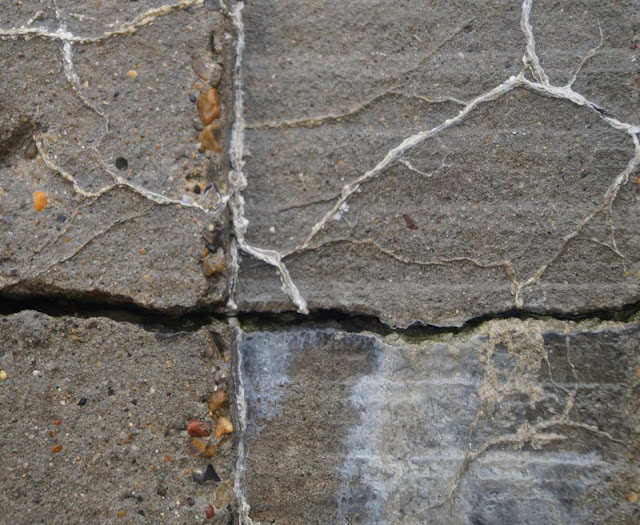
[181, 320]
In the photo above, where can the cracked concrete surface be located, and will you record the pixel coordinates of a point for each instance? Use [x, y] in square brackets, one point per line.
[467, 173]
[115, 152]
[329, 210]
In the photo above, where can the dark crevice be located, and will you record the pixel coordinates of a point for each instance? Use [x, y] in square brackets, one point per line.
[181, 320]
[116, 308]
[340, 320]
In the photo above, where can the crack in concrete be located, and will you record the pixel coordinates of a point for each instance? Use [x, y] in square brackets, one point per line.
[318, 121]
[541, 86]
[240, 482]
[129, 28]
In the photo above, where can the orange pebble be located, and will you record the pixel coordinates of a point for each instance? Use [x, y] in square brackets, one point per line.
[40, 200]
[208, 107]
[223, 426]
[56, 448]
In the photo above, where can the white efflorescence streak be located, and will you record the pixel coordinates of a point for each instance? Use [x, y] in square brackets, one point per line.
[142, 20]
[397, 152]
[239, 486]
[238, 182]
[67, 39]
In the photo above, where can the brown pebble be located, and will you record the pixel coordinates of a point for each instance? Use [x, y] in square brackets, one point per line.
[199, 445]
[213, 264]
[210, 512]
[122, 513]
[217, 400]
[56, 448]
[208, 107]
[210, 138]
[132, 73]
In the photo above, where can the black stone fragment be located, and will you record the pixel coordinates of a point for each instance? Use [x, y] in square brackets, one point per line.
[82, 402]
[209, 475]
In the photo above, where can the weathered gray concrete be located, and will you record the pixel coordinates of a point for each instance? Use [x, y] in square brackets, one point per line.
[125, 457]
[434, 163]
[515, 422]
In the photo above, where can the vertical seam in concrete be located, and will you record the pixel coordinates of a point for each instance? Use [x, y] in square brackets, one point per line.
[240, 482]
[238, 182]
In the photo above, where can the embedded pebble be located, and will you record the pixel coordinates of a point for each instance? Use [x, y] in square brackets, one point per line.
[210, 138]
[217, 400]
[31, 150]
[209, 475]
[193, 98]
[200, 68]
[40, 200]
[210, 512]
[220, 375]
[56, 448]
[198, 428]
[216, 75]
[213, 236]
[223, 427]
[3, 375]
[132, 73]
[208, 107]
[213, 264]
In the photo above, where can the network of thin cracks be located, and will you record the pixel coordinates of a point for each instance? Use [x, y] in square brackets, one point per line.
[540, 84]
[538, 434]
[66, 41]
